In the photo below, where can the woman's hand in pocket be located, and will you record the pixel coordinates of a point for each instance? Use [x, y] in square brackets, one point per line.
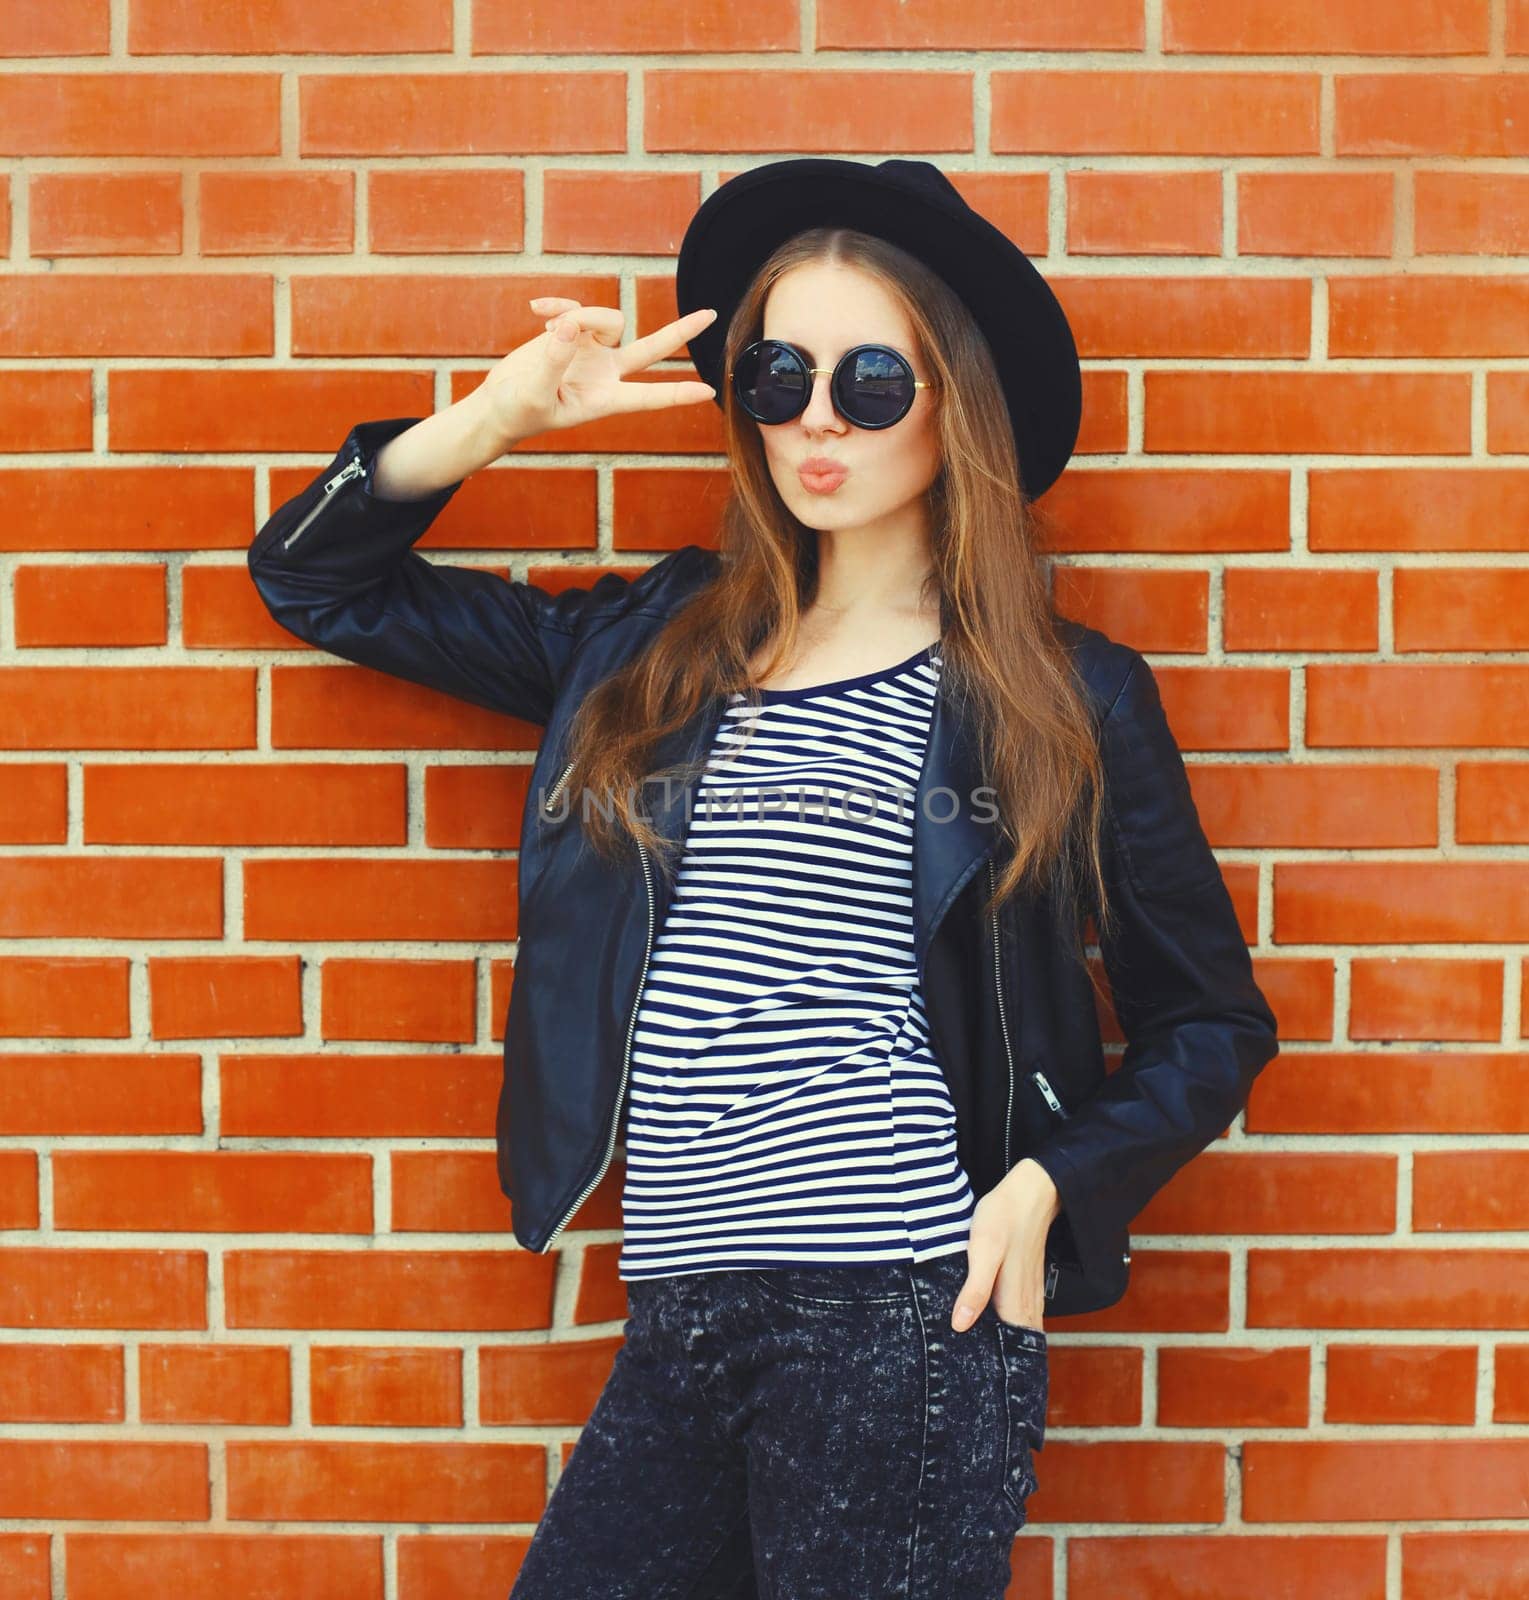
[1006, 1250]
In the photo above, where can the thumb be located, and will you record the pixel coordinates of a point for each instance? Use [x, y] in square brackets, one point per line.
[982, 1268]
[564, 340]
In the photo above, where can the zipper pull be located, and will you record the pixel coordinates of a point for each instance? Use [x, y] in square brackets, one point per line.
[351, 469]
[1050, 1093]
[1051, 1276]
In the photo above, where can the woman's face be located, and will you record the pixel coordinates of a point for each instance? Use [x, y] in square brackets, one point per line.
[824, 310]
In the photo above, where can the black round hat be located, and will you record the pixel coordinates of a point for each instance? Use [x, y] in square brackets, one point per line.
[914, 205]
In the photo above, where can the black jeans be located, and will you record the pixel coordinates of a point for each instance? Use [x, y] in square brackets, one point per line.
[799, 1432]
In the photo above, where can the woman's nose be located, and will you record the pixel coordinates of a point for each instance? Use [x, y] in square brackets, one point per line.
[820, 411]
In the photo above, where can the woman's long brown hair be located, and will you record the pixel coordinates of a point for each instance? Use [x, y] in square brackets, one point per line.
[1004, 664]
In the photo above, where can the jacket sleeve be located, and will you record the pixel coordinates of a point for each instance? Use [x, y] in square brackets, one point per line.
[336, 566]
[1198, 1029]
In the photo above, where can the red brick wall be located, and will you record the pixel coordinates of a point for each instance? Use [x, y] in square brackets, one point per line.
[258, 1302]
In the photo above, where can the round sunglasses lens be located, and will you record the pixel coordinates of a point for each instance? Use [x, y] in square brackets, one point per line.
[771, 382]
[875, 388]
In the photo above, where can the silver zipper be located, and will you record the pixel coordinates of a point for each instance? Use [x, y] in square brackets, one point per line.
[351, 469]
[1050, 1093]
[1041, 1081]
[556, 789]
[1053, 1269]
[1003, 1021]
[610, 1147]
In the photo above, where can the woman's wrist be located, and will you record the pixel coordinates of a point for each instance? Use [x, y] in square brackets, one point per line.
[439, 450]
[1031, 1180]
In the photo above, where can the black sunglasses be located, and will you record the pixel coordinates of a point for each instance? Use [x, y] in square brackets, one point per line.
[872, 385]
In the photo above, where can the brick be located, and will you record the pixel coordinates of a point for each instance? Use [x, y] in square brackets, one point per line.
[135, 314]
[1285, 608]
[1169, 509]
[1411, 705]
[266, 410]
[1360, 1480]
[475, 808]
[649, 27]
[62, 997]
[393, 1289]
[223, 1191]
[1142, 1566]
[1344, 214]
[1416, 509]
[119, 1480]
[1276, 1192]
[985, 25]
[617, 213]
[280, 803]
[207, 997]
[225, 1384]
[695, 109]
[455, 113]
[1388, 1384]
[1491, 802]
[451, 211]
[1135, 111]
[140, 114]
[1151, 610]
[458, 1192]
[59, 28]
[1426, 113]
[1478, 606]
[1470, 213]
[311, 899]
[1388, 1287]
[105, 214]
[1182, 317]
[1144, 213]
[411, 1000]
[1456, 1190]
[1277, 413]
[44, 1093]
[1442, 316]
[385, 1386]
[1244, 1386]
[43, 1286]
[287, 27]
[1364, 1092]
[362, 1481]
[1487, 1564]
[145, 1566]
[543, 1385]
[110, 897]
[266, 213]
[1320, 27]
[126, 508]
[103, 606]
[18, 1190]
[44, 411]
[446, 1096]
[1413, 997]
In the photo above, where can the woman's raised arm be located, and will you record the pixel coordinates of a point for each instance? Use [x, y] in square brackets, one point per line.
[335, 564]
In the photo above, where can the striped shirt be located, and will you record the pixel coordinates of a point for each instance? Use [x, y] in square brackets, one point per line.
[785, 1105]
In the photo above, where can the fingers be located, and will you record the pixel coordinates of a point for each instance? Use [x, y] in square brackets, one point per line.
[659, 396]
[604, 322]
[981, 1270]
[607, 324]
[664, 341]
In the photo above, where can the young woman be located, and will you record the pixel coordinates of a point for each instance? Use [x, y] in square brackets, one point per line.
[814, 831]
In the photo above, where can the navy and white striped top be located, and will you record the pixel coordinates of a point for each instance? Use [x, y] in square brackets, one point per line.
[785, 1105]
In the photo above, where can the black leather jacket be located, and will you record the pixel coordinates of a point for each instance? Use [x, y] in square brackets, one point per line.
[1012, 1015]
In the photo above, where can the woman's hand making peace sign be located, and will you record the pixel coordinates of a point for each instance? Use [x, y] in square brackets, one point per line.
[574, 371]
